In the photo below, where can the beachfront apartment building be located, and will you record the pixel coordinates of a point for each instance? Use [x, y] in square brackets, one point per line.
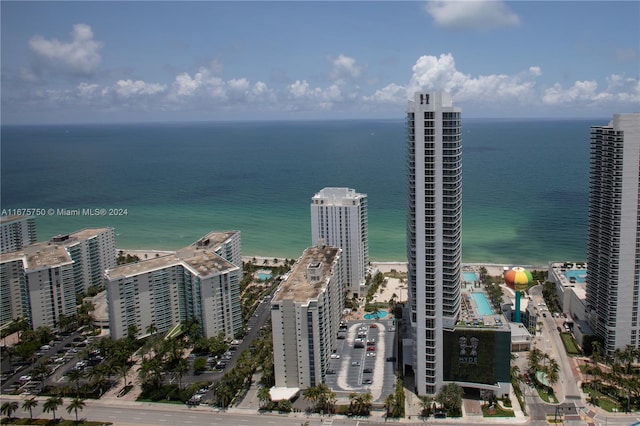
[37, 284]
[305, 316]
[93, 250]
[613, 241]
[40, 281]
[434, 229]
[200, 282]
[339, 218]
[16, 232]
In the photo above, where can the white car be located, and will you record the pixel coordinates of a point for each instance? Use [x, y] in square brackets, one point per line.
[335, 356]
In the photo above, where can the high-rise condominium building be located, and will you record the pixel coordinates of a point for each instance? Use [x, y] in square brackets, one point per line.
[40, 281]
[199, 282]
[613, 250]
[434, 225]
[92, 250]
[16, 232]
[339, 218]
[305, 317]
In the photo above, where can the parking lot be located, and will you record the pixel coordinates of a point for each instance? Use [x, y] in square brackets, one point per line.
[363, 359]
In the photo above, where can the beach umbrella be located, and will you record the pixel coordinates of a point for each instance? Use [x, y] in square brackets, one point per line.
[518, 278]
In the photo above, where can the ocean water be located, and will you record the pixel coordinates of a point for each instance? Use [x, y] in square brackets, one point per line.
[525, 187]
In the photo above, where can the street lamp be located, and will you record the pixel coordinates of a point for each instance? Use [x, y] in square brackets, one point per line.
[555, 417]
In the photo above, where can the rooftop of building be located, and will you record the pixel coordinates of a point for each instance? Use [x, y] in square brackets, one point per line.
[40, 255]
[474, 316]
[314, 262]
[570, 274]
[200, 259]
[338, 194]
[12, 218]
[81, 235]
[204, 261]
[214, 239]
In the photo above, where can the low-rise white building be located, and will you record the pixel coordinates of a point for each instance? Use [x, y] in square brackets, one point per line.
[305, 315]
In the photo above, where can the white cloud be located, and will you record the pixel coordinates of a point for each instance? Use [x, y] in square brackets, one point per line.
[535, 71]
[392, 93]
[206, 92]
[129, 88]
[80, 55]
[619, 89]
[472, 15]
[344, 68]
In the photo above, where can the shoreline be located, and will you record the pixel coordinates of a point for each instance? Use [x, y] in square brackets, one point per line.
[382, 266]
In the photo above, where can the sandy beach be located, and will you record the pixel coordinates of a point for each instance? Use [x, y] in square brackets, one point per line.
[392, 286]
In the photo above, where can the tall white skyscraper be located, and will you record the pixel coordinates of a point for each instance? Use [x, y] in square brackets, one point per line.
[613, 251]
[339, 218]
[434, 228]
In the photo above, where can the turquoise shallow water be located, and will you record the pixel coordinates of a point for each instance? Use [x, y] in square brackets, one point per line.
[525, 183]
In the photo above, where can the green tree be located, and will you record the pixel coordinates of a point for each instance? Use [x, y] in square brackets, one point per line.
[9, 407]
[312, 393]
[181, 368]
[264, 396]
[285, 406]
[389, 405]
[75, 376]
[30, 404]
[52, 404]
[450, 397]
[75, 405]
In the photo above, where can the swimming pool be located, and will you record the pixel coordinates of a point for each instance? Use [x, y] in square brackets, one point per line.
[263, 276]
[579, 275]
[376, 315]
[483, 306]
[469, 277]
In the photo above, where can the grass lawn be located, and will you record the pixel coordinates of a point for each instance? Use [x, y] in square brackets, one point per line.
[603, 401]
[569, 344]
[545, 395]
[496, 411]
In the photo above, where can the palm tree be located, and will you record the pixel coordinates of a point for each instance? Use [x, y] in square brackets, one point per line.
[366, 399]
[9, 408]
[389, 404]
[425, 404]
[123, 370]
[312, 393]
[263, 396]
[52, 405]
[354, 403]
[152, 329]
[30, 404]
[180, 370]
[75, 405]
[450, 396]
[75, 376]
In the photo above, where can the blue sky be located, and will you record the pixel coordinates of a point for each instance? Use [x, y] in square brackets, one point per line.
[145, 61]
